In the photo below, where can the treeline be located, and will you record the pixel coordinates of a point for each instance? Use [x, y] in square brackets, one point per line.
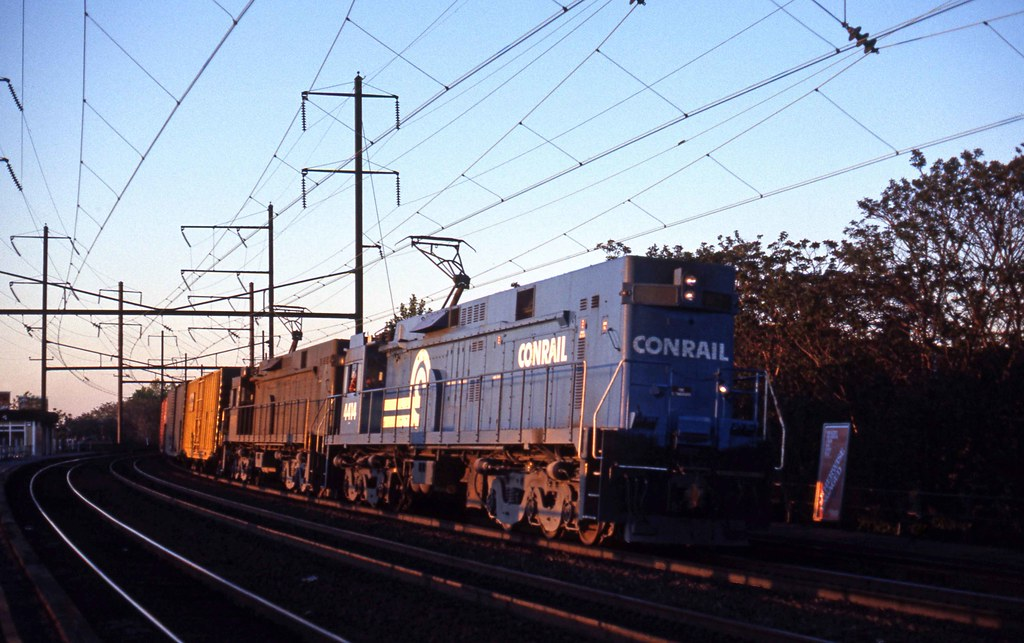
[911, 328]
[140, 417]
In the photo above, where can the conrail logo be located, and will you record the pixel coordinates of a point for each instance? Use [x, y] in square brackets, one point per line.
[542, 352]
[679, 347]
[404, 411]
[417, 382]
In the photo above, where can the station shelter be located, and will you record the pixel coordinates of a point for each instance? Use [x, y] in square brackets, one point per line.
[26, 432]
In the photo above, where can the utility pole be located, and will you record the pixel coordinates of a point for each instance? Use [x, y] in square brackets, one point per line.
[120, 358]
[45, 310]
[42, 352]
[270, 276]
[163, 363]
[359, 172]
[269, 227]
[359, 202]
[252, 326]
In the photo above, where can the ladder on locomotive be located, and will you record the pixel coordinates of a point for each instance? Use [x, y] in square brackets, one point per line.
[593, 474]
[592, 458]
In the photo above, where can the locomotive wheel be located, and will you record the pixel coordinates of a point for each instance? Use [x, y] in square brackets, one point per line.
[551, 526]
[551, 534]
[591, 532]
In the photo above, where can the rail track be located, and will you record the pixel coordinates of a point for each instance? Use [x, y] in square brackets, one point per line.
[588, 610]
[985, 615]
[975, 570]
[338, 570]
[148, 589]
[988, 610]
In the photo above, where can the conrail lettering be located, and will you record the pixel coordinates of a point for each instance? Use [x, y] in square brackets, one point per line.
[679, 347]
[542, 352]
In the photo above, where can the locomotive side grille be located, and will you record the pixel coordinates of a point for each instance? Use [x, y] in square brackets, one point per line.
[473, 391]
[595, 301]
[577, 374]
[583, 304]
[476, 346]
[473, 314]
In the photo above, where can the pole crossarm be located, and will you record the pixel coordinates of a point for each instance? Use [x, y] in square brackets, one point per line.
[307, 170]
[348, 95]
[236, 228]
[227, 272]
[151, 367]
[163, 312]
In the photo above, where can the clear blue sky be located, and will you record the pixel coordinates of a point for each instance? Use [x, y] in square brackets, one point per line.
[533, 133]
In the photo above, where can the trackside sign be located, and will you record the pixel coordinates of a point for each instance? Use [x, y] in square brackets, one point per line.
[828, 492]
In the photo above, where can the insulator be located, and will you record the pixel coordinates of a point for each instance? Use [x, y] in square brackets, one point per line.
[14, 177]
[398, 121]
[398, 191]
[303, 113]
[22, 109]
[303, 191]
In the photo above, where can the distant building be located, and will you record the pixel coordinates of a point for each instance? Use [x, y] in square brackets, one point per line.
[30, 402]
[5, 400]
[26, 433]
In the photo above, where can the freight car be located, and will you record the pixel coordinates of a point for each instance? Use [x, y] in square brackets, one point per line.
[171, 409]
[600, 401]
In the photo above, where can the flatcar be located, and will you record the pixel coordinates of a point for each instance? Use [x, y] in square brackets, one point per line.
[603, 402]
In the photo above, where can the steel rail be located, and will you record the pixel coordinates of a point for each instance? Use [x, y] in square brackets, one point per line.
[81, 555]
[983, 610]
[287, 614]
[546, 583]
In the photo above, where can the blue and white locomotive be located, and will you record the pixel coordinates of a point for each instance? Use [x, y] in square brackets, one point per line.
[600, 401]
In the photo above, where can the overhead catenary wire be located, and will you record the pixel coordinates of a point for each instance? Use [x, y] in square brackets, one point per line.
[284, 164]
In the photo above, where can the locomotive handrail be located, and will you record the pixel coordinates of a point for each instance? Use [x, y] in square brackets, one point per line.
[600, 403]
[782, 422]
[513, 377]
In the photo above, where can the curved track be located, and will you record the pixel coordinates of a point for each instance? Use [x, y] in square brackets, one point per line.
[147, 589]
[566, 605]
[357, 577]
[673, 581]
[817, 577]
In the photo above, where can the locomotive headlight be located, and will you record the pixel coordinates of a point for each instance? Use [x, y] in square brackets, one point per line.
[690, 280]
[689, 295]
[723, 389]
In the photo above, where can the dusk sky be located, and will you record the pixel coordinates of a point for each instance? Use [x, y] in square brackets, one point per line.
[533, 130]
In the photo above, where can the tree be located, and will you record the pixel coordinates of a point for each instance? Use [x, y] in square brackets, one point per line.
[912, 327]
[140, 419]
[944, 257]
[938, 262]
[416, 306]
